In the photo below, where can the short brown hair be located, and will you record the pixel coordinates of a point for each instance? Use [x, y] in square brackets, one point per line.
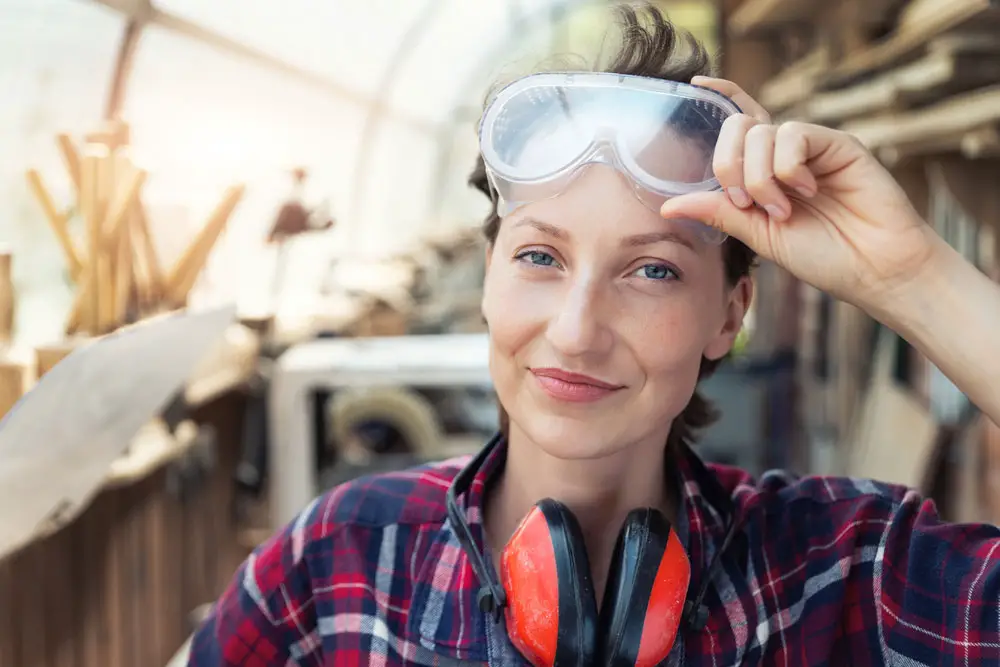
[651, 47]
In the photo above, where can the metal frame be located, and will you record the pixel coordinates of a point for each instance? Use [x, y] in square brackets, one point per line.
[142, 13]
[375, 117]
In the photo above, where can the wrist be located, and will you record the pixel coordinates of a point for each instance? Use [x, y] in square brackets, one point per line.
[950, 312]
[912, 304]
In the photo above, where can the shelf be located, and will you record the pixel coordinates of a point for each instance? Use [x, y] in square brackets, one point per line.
[923, 21]
[961, 116]
[753, 16]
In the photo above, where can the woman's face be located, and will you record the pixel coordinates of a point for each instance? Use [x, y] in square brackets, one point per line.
[594, 284]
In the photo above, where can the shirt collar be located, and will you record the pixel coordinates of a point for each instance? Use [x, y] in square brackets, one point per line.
[444, 611]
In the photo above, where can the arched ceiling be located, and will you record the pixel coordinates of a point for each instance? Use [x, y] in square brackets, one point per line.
[377, 98]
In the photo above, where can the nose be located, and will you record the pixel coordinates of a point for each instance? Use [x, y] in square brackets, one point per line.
[580, 325]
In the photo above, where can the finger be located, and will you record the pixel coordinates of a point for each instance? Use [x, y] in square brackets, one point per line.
[716, 210]
[728, 161]
[825, 149]
[791, 156]
[747, 104]
[758, 172]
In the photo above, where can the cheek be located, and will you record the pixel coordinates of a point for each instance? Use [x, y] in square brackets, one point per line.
[514, 317]
[669, 339]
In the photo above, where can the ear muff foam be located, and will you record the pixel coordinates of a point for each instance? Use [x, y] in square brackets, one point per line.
[551, 608]
[644, 599]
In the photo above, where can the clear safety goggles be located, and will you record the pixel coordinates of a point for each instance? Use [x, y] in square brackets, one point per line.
[539, 132]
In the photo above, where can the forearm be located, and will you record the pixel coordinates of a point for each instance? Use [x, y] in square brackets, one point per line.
[952, 315]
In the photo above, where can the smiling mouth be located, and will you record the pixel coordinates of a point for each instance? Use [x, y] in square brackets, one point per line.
[573, 387]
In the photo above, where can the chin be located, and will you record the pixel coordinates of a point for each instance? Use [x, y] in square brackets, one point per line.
[570, 438]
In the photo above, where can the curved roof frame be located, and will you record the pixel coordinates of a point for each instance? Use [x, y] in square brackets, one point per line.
[141, 13]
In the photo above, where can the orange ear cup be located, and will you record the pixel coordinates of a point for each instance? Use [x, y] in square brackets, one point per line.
[551, 611]
[647, 586]
[529, 576]
[666, 604]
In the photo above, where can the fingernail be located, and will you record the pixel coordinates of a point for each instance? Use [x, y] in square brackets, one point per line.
[805, 191]
[775, 211]
[739, 197]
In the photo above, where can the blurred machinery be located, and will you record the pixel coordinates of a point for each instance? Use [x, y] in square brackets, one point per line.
[370, 384]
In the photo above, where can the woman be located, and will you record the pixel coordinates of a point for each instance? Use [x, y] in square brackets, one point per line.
[603, 313]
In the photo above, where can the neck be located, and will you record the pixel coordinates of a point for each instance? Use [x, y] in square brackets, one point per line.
[599, 492]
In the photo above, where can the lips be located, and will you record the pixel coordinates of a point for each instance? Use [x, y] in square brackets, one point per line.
[573, 387]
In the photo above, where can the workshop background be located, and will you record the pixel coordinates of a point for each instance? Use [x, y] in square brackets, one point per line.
[308, 161]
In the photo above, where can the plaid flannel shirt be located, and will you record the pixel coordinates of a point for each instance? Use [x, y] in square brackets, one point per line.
[824, 572]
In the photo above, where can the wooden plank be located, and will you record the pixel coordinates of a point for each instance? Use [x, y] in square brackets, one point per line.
[57, 554]
[10, 639]
[155, 547]
[135, 577]
[939, 73]
[30, 605]
[47, 356]
[756, 15]
[107, 589]
[15, 378]
[915, 29]
[796, 82]
[975, 144]
[8, 297]
[961, 113]
[174, 538]
[58, 221]
[90, 565]
[753, 17]
[973, 185]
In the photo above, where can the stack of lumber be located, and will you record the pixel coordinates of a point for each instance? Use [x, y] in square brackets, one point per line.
[907, 77]
[113, 262]
[918, 83]
[115, 268]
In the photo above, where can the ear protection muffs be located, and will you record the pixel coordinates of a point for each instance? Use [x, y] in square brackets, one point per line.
[551, 610]
[547, 597]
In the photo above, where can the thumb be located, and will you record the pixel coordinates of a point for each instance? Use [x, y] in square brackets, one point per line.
[716, 210]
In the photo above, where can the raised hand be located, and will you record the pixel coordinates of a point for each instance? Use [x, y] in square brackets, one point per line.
[814, 201]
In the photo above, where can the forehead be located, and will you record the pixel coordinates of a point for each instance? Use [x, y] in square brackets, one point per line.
[600, 204]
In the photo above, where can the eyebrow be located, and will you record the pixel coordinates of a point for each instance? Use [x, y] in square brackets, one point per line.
[635, 241]
[543, 227]
[657, 237]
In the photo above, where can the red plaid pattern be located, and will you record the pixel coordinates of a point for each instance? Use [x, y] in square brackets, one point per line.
[824, 572]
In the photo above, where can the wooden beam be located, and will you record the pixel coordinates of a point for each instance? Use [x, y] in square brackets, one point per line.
[976, 144]
[796, 82]
[760, 16]
[923, 20]
[962, 113]
[188, 267]
[15, 380]
[144, 12]
[748, 61]
[973, 185]
[8, 298]
[757, 15]
[940, 72]
[59, 222]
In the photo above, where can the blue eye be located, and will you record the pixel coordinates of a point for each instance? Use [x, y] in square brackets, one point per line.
[657, 272]
[537, 258]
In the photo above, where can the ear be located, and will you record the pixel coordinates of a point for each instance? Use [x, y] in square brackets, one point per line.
[736, 309]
